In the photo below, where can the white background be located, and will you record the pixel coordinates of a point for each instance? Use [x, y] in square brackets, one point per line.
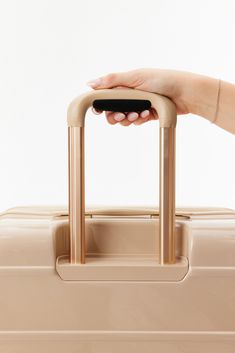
[50, 48]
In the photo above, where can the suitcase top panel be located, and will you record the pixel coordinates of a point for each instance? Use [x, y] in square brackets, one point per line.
[111, 211]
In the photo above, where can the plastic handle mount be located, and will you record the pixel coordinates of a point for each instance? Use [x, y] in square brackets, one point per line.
[121, 99]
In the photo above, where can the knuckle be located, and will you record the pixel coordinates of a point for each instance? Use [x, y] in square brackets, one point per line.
[110, 78]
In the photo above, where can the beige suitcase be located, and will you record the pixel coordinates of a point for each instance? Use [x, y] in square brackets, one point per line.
[118, 280]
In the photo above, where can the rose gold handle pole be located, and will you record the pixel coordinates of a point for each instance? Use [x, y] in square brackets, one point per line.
[76, 195]
[167, 195]
[76, 120]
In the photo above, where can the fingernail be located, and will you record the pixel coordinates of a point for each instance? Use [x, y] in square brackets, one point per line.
[94, 83]
[119, 116]
[144, 114]
[132, 116]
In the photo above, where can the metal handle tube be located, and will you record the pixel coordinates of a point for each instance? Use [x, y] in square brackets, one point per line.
[167, 196]
[76, 195]
[76, 120]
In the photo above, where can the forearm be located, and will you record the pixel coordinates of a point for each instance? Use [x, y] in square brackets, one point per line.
[201, 94]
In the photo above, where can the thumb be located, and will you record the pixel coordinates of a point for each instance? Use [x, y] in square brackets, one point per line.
[126, 79]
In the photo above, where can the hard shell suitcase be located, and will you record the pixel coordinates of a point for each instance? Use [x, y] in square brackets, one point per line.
[118, 280]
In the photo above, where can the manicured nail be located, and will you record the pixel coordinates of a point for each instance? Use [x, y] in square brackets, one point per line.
[144, 113]
[94, 83]
[119, 116]
[132, 116]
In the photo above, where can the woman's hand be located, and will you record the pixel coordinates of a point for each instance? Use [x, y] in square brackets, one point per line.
[165, 82]
[205, 96]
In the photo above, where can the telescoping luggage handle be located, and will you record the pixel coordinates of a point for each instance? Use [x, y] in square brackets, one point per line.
[122, 100]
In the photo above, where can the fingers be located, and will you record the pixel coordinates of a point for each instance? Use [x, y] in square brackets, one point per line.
[128, 118]
[118, 117]
[132, 79]
[143, 118]
[131, 118]
[123, 79]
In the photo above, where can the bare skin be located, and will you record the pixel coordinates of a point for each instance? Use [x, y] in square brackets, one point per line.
[191, 93]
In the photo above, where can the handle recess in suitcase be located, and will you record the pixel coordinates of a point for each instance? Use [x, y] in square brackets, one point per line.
[121, 100]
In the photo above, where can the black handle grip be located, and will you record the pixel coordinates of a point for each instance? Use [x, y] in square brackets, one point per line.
[122, 105]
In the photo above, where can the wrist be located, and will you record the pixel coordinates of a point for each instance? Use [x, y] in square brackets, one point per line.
[199, 95]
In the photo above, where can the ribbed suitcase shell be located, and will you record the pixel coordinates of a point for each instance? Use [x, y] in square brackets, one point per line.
[40, 311]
